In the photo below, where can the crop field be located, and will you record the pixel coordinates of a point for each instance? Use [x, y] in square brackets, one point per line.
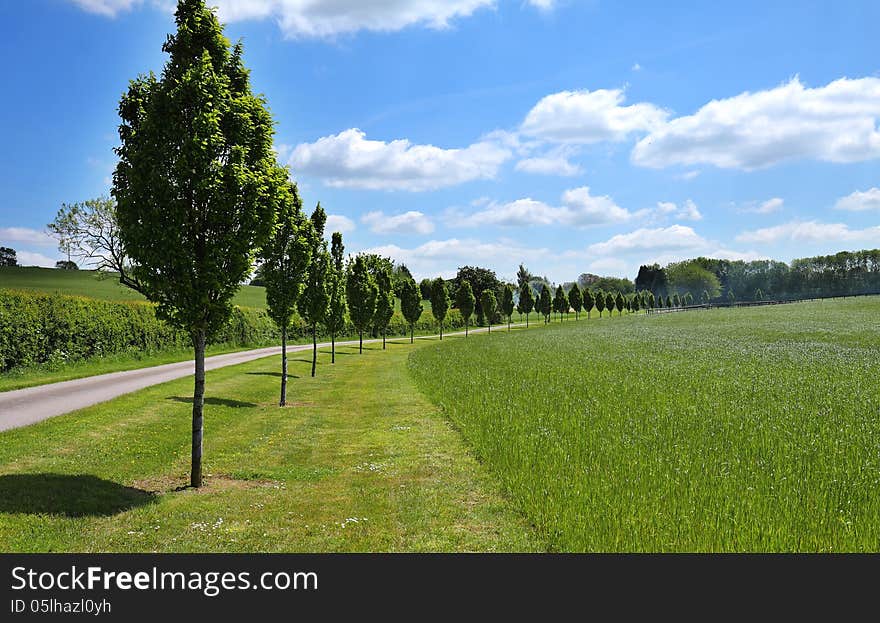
[723, 430]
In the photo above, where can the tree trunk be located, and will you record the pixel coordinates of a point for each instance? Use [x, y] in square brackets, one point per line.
[198, 409]
[508, 324]
[441, 331]
[333, 347]
[283, 400]
[466, 323]
[314, 348]
[412, 333]
[361, 344]
[527, 321]
[384, 331]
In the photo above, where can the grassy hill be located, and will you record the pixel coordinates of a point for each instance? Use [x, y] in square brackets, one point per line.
[89, 283]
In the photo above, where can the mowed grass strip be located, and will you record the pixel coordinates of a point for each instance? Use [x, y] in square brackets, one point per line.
[724, 430]
[360, 462]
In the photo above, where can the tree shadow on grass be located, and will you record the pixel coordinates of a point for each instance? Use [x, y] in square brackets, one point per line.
[68, 495]
[210, 400]
[275, 374]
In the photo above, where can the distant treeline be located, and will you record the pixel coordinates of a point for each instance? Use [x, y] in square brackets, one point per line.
[844, 273]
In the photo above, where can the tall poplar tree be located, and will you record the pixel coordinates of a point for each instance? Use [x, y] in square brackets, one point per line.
[465, 301]
[360, 294]
[384, 302]
[411, 305]
[600, 302]
[197, 185]
[507, 304]
[576, 300]
[526, 301]
[589, 302]
[488, 303]
[439, 301]
[285, 258]
[335, 321]
[619, 303]
[314, 303]
[545, 303]
[560, 302]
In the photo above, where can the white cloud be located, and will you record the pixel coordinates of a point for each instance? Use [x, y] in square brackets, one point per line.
[581, 117]
[338, 222]
[687, 211]
[325, 18]
[688, 175]
[108, 8]
[834, 123]
[544, 5]
[860, 201]
[550, 164]
[28, 258]
[411, 222]
[444, 257]
[27, 236]
[350, 160]
[674, 237]
[770, 206]
[636, 67]
[811, 232]
[579, 209]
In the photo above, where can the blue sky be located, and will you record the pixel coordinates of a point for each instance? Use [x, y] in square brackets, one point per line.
[573, 136]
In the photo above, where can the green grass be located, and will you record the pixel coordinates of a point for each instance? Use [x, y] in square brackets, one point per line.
[360, 462]
[88, 283]
[726, 430]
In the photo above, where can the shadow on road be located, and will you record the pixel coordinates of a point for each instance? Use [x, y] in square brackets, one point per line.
[210, 400]
[67, 495]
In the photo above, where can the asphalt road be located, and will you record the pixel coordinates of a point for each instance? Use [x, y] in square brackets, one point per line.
[22, 407]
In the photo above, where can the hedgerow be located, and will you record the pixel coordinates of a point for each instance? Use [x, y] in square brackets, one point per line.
[39, 328]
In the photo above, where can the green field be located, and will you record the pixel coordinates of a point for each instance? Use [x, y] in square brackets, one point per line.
[724, 430]
[89, 283]
[360, 462]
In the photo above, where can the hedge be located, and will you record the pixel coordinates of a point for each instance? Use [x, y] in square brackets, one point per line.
[38, 328]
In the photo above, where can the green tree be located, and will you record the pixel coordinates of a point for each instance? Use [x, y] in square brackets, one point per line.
[668, 301]
[465, 301]
[706, 298]
[523, 277]
[546, 303]
[335, 321]
[560, 302]
[411, 306]
[384, 303]
[688, 299]
[425, 289]
[507, 303]
[731, 296]
[589, 302]
[651, 301]
[526, 301]
[8, 257]
[619, 303]
[488, 302]
[285, 258]
[314, 302]
[360, 294]
[197, 184]
[600, 301]
[759, 295]
[610, 302]
[636, 303]
[481, 279]
[576, 300]
[676, 300]
[439, 302]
